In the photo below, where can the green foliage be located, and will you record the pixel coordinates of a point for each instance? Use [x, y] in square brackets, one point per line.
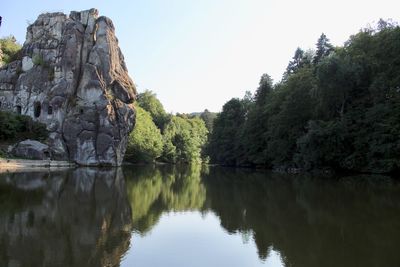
[149, 102]
[184, 139]
[340, 111]
[337, 77]
[324, 145]
[145, 141]
[223, 147]
[324, 48]
[10, 49]
[18, 127]
[161, 136]
[169, 188]
[38, 60]
[208, 118]
[300, 59]
[264, 89]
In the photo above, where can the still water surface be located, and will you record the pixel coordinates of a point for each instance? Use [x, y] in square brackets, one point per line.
[194, 216]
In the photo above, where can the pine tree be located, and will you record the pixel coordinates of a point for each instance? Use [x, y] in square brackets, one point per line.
[264, 88]
[324, 48]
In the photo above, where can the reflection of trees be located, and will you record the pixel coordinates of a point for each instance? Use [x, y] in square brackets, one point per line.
[153, 190]
[83, 217]
[143, 191]
[71, 218]
[312, 222]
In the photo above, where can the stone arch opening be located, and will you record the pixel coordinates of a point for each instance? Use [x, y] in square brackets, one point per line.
[37, 109]
[49, 110]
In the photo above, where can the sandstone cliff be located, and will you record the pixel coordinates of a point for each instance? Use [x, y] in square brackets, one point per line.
[72, 77]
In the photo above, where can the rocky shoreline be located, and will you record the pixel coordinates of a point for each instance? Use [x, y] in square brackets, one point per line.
[24, 164]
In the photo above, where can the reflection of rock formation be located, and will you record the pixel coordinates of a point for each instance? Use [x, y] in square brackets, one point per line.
[153, 191]
[311, 222]
[74, 218]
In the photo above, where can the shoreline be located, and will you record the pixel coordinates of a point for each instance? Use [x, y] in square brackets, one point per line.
[7, 165]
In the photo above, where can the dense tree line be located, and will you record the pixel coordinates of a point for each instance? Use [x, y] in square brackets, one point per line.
[336, 107]
[165, 137]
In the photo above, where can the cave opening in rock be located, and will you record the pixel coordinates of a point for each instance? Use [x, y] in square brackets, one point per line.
[37, 109]
[50, 110]
[19, 109]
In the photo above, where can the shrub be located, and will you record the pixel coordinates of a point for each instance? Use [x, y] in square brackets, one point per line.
[17, 127]
[11, 50]
[38, 60]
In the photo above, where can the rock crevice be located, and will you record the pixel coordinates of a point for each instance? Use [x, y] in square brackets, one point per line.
[72, 77]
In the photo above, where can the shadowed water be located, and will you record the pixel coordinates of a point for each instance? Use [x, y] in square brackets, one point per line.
[196, 216]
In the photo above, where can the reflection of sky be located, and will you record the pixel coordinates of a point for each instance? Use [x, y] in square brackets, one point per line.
[194, 239]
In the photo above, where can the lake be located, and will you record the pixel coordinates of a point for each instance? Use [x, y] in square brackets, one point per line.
[196, 216]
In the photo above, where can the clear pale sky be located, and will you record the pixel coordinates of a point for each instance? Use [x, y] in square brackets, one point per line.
[199, 54]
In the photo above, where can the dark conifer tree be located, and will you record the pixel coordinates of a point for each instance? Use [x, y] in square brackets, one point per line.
[324, 48]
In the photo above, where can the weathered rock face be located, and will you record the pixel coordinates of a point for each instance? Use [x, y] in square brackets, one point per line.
[72, 77]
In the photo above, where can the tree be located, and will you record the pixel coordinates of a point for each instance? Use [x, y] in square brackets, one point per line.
[264, 89]
[386, 24]
[1, 56]
[224, 140]
[145, 141]
[208, 118]
[300, 60]
[9, 49]
[337, 78]
[341, 112]
[184, 139]
[149, 102]
[324, 48]
[289, 112]
[325, 144]
[252, 133]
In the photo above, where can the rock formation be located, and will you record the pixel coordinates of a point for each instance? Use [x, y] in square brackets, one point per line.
[31, 149]
[72, 77]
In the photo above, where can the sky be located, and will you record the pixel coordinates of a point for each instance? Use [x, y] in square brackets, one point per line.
[197, 55]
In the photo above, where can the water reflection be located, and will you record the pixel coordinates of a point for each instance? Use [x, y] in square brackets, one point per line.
[154, 190]
[311, 222]
[74, 218]
[85, 217]
[352, 221]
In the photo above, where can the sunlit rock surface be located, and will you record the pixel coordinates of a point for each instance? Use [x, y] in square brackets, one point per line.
[72, 77]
